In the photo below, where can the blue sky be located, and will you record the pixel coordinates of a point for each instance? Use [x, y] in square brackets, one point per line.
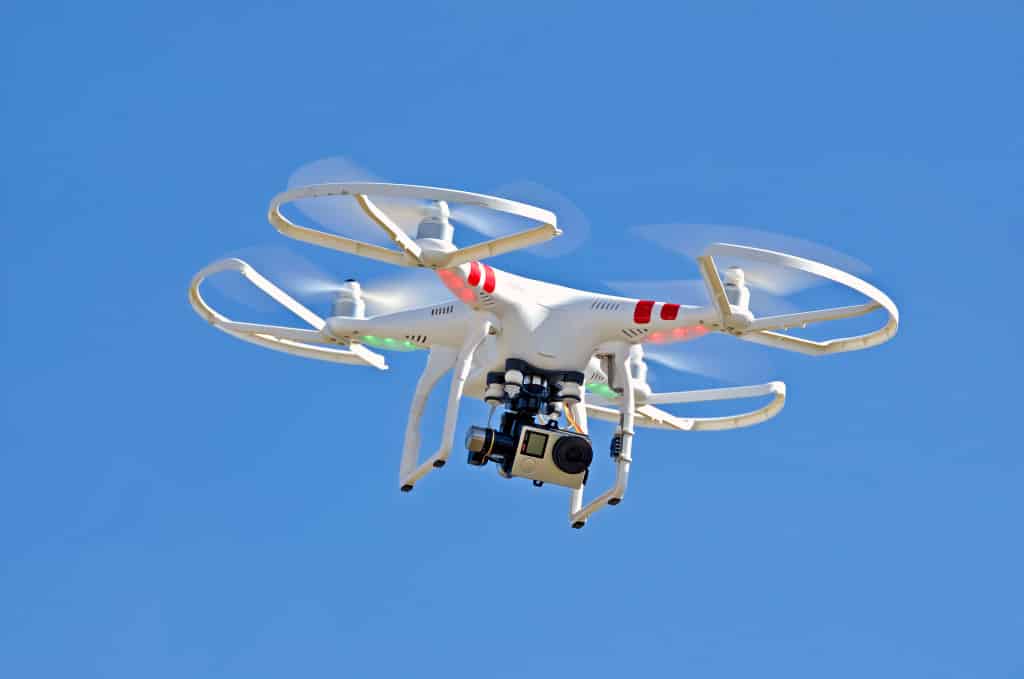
[174, 503]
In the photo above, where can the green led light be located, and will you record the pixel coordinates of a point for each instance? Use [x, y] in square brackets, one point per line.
[602, 390]
[388, 343]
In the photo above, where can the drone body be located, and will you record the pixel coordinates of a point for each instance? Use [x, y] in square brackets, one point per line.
[532, 348]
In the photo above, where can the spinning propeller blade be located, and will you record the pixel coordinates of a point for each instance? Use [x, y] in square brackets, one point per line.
[692, 239]
[574, 224]
[343, 215]
[718, 357]
[405, 290]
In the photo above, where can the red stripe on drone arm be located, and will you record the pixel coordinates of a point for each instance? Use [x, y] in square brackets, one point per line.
[642, 312]
[488, 279]
[669, 312]
[474, 273]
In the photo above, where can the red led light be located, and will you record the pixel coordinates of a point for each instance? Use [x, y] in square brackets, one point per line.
[688, 333]
[451, 280]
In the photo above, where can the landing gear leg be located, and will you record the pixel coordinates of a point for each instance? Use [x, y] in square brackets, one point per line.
[577, 513]
[441, 361]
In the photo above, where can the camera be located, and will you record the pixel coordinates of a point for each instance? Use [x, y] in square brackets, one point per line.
[521, 447]
[544, 454]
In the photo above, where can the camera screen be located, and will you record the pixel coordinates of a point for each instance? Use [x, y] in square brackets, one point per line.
[535, 444]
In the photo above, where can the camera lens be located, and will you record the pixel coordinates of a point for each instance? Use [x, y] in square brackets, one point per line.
[572, 454]
[477, 439]
[486, 444]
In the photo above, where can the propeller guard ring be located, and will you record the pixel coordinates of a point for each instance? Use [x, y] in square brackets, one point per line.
[761, 330]
[648, 415]
[295, 341]
[409, 252]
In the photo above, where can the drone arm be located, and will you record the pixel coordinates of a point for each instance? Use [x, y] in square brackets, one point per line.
[461, 365]
[295, 341]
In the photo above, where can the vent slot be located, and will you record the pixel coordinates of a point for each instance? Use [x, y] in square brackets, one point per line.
[486, 300]
[633, 333]
[603, 305]
[418, 339]
[442, 310]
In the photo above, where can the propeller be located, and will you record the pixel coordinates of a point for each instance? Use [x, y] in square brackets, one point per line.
[692, 239]
[717, 357]
[772, 283]
[407, 289]
[571, 220]
[343, 215]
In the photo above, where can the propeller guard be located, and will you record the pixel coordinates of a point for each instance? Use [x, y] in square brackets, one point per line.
[762, 330]
[295, 341]
[409, 252]
[647, 415]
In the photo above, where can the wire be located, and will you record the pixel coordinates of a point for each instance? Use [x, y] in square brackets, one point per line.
[568, 416]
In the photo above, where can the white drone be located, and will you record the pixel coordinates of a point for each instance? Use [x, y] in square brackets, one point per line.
[533, 349]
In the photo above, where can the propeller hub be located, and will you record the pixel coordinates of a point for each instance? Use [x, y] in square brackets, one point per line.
[435, 224]
[734, 275]
[349, 300]
[736, 289]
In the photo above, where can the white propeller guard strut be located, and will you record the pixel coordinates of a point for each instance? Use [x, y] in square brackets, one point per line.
[295, 341]
[409, 252]
[761, 330]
